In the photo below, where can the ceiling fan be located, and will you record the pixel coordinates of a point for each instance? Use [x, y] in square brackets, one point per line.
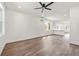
[44, 6]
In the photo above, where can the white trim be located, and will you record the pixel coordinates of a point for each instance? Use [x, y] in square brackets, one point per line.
[3, 20]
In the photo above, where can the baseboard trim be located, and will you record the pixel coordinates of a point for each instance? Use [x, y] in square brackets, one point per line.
[74, 44]
[35, 38]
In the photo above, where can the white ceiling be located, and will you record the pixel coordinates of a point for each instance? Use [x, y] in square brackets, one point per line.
[59, 9]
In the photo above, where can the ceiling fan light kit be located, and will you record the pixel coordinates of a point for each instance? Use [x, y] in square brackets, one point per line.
[44, 6]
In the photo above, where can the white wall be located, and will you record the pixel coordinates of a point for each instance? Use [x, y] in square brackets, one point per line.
[20, 26]
[74, 31]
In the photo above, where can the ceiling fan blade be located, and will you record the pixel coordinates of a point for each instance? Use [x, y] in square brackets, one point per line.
[38, 8]
[49, 4]
[48, 8]
[41, 4]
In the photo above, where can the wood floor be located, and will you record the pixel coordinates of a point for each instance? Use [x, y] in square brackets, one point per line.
[54, 45]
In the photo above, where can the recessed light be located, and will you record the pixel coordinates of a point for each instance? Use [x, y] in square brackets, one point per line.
[19, 7]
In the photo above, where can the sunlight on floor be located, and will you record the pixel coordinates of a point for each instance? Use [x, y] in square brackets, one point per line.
[67, 36]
